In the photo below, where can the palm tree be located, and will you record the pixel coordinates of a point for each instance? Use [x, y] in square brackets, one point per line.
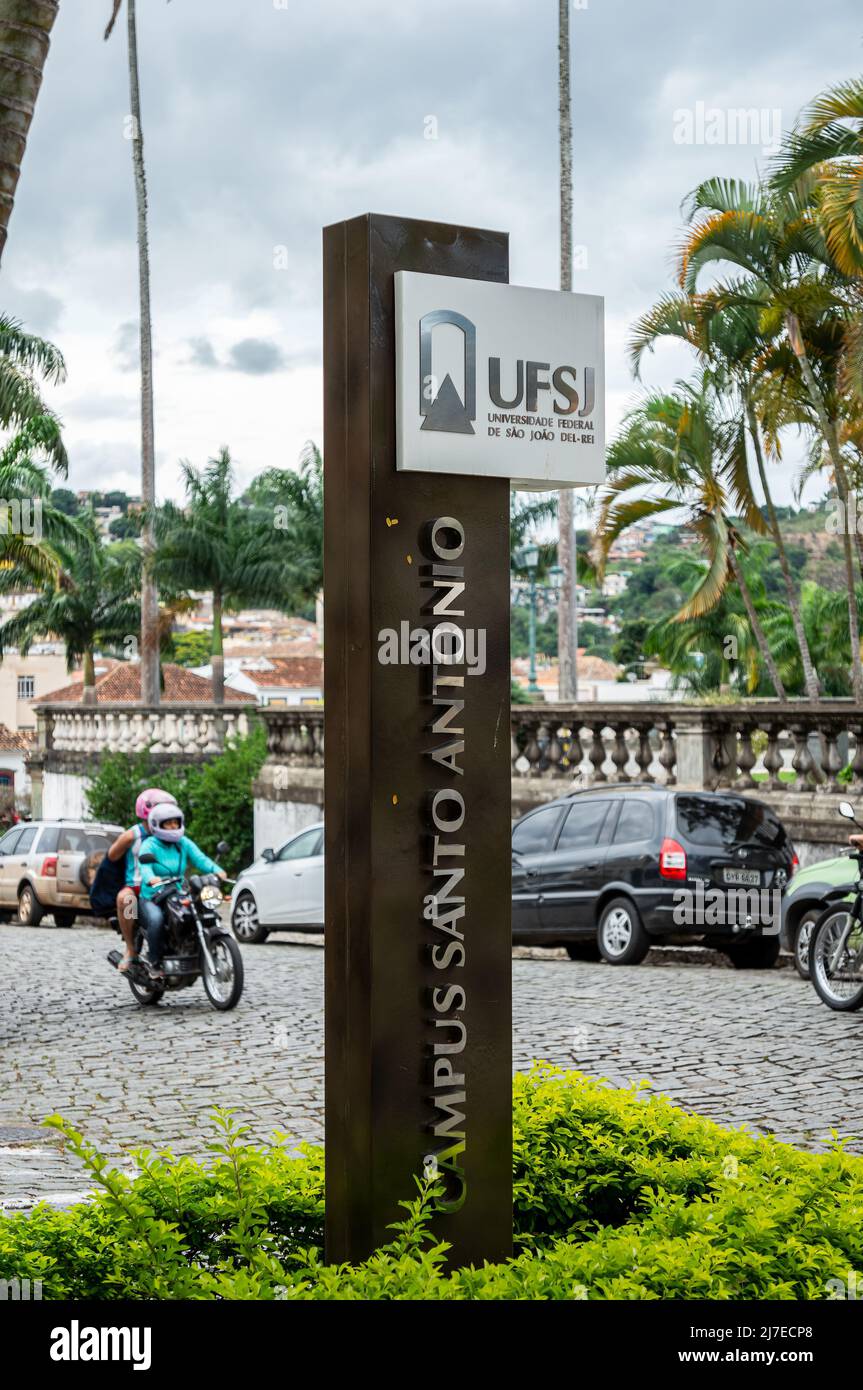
[527, 511]
[567, 641]
[829, 141]
[825, 614]
[25, 36]
[24, 479]
[220, 545]
[291, 502]
[88, 605]
[679, 448]
[149, 594]
[23, 357]
[787, 271]
[728, 338]
[717, 649]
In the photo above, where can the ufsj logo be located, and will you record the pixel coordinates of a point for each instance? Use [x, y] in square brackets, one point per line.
[443, 409]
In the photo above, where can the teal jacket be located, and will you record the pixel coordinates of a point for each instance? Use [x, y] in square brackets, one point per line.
[172, 861]
[133, 868]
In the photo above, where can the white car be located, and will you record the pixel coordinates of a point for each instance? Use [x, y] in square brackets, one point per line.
[283, 888]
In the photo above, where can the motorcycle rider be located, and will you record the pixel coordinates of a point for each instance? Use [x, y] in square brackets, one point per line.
[173, 853]
[128, 847]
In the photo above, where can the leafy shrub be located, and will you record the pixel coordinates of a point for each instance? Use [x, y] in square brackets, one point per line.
[618, 1194]
[216, 796]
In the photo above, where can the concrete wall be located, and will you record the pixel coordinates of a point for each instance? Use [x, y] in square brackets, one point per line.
[277, 821]
[286, 799]
[62, 796]
[48, 672]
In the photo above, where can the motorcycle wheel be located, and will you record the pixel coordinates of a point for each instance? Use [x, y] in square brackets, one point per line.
[225, 987]
[145, 994]
[837, 985]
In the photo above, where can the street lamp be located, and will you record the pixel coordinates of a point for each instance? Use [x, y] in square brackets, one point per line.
[530, 561]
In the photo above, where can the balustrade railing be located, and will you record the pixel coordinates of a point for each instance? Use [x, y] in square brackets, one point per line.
[793, 748]
[295, 736]
[183, 730]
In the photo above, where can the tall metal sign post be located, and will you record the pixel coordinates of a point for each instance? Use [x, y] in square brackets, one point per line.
[443, 384]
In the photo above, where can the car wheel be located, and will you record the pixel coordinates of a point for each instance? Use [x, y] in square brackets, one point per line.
[620, 936]
[802, 941]
[30, 910]
[760, 954]
[583, 950]
[64, 916]
[244, 920]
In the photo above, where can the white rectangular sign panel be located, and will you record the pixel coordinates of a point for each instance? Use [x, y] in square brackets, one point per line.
[500, 381]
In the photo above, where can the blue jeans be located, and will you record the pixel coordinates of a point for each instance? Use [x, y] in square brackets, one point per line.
[152, 919]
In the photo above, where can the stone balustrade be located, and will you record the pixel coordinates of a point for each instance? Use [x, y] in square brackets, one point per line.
[789, 754]
[800, 757]
[71, 740]
[189, 730]
[295, 736]
[716, 747]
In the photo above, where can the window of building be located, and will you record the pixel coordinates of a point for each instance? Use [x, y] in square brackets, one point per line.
[26, 687]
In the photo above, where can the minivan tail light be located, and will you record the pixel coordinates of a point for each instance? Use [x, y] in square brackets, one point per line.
[49, 867]
[672, 859]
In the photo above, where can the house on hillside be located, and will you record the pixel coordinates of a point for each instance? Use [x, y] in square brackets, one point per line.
[274, 681]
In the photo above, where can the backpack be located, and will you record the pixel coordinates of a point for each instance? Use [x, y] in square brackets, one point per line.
[110, 878]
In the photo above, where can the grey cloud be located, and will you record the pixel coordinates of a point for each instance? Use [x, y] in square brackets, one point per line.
[39, 310]
[324, 117]
[256, 357]
[201, 353]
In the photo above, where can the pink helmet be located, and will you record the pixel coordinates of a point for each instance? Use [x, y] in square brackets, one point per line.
[147, 800]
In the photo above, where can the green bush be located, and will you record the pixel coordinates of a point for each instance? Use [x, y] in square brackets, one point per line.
[618, 1194]
[216, 796]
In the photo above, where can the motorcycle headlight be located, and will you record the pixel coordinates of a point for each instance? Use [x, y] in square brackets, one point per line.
[210, 893]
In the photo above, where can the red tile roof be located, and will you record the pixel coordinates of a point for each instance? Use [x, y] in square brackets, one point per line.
[290, 673]
[16, 741]
[122, 686]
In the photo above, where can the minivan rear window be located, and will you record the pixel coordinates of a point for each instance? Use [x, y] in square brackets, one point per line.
[727, 821]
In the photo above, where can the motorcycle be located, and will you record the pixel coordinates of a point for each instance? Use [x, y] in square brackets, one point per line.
[836, 945]
[197, 943]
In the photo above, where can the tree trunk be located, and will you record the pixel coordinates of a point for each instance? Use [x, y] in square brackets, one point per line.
[149, 597]
[810, 679]
[218, 654]
[831, 439]
[566, 609]
[25, 36]
[755, 624]
[88, 694]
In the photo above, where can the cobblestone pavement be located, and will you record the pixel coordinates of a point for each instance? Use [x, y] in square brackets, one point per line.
[743, 1047]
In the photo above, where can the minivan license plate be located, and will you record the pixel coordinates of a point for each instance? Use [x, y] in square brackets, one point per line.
[750, 877]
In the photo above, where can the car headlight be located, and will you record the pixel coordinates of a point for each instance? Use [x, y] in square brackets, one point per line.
[210, 893]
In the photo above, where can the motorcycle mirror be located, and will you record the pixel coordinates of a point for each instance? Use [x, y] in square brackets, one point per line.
[146, 858]
[847, 810]
[222, 847]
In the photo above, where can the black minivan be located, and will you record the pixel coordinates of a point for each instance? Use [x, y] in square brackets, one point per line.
[611, 870]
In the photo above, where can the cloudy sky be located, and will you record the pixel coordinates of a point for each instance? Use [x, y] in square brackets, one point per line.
[265, 120]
